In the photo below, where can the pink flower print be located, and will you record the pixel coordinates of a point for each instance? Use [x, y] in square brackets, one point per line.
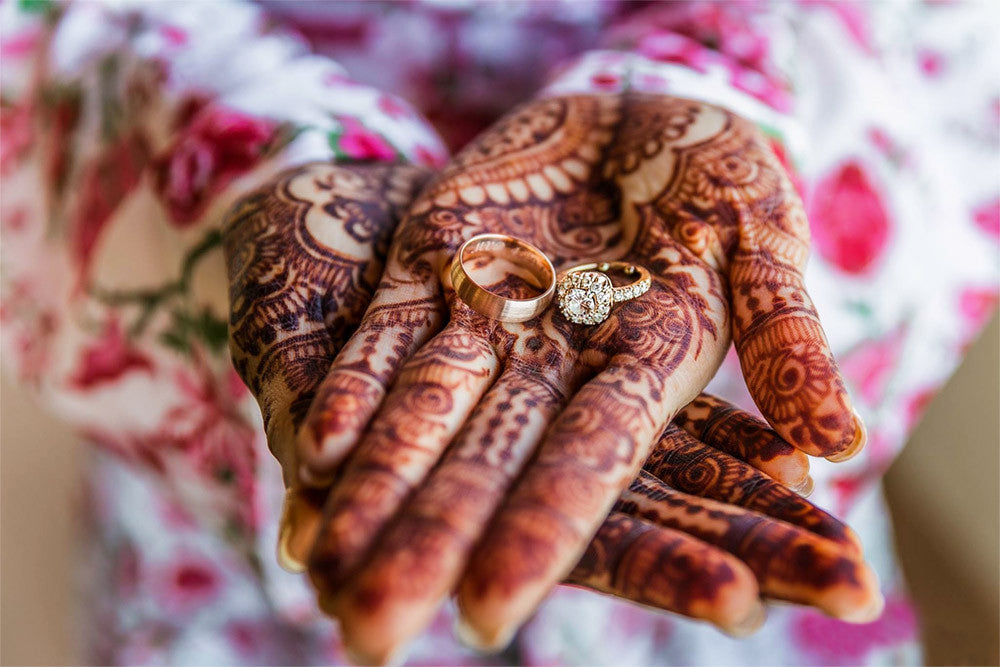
[429, 157]
[849, 222]
[108, 359]
[856, 20]
[764, 89]
[359, 143]
[917, 403]
[986, 216]
[105, 183]
[126, 570]
[976, 305]
[869, 366]
[212, 150]
[839, 643]
[931, 62]
[174, 35]
[21, 44]
[249, 637]
[216, 439]
[16, 135]
[672, 48]
[605, 81]
[778, 147]
[393, 107]
[189, 582]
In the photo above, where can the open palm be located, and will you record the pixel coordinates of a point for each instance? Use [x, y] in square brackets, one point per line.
[473, 455]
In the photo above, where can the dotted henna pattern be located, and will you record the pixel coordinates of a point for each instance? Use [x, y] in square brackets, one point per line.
[304, 255]
[685, 189]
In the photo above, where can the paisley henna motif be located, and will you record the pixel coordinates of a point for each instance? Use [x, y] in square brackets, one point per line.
[790, 563]
[693, 467]
[304, 255]
[728, 429]
[537, 458]
[672, 570]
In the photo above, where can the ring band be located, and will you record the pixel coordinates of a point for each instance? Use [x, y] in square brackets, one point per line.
[585, 293]
[493, 305]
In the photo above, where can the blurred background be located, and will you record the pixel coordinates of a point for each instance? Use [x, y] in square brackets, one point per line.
[942, 491]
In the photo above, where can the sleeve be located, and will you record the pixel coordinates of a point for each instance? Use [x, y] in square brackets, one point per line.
[128, 130]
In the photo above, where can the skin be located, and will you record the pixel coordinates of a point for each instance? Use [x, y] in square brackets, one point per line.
[459, 454]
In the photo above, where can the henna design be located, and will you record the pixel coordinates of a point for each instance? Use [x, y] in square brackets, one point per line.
[695, 468]
[728, 429]
[303, 255]
[685, 189]
[436, 391]
[420, 556]
[668, 569]
[790, 563]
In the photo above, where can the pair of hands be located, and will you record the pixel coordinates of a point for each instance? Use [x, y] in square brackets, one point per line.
[430, 450]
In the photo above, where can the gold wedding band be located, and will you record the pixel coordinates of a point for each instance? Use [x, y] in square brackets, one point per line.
[585, 293]
[523, 255]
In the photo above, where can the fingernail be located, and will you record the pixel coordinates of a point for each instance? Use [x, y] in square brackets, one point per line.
[858, 444]
[869, 614]
[805, 487]
[297, 532]
[751, 624]
[309, 477]
[480, 641]
[391, 659]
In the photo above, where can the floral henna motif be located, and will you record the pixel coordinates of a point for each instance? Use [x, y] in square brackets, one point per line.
[731, 430]
[676, 186]
[303, 256]
[693, 467]
[669, 569]
[790, 563]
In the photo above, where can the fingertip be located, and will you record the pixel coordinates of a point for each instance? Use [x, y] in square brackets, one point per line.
[308, 476]
[805, 487]
[867, 614]
[857, 444]
[858, 599]
[749, 624]
[474, 637]
[297, 530]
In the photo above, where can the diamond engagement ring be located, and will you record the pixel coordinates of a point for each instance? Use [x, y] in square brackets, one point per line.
[585, 293]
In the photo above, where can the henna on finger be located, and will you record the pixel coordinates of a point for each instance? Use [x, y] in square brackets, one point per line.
[676, 186]
[590, 452]
[303, 255]
[693, 467]
[790, 562]
[668, 569]
[419, 558]
[733, 431]
[434, 394]
[407, 310]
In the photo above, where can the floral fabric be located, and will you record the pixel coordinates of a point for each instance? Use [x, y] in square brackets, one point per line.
[127, 131]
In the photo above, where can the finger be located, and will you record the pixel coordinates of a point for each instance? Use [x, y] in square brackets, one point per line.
[733, 431]
[418, 560]
[693, 467]
[303, 254]
[407, 310]
[301, 518]
[590, 453]
[786, 360]
[664, 568]
[435, 392]
[790, 562]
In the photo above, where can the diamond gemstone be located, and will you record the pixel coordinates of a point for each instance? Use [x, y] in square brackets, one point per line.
[585, 297]
[580, 302]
